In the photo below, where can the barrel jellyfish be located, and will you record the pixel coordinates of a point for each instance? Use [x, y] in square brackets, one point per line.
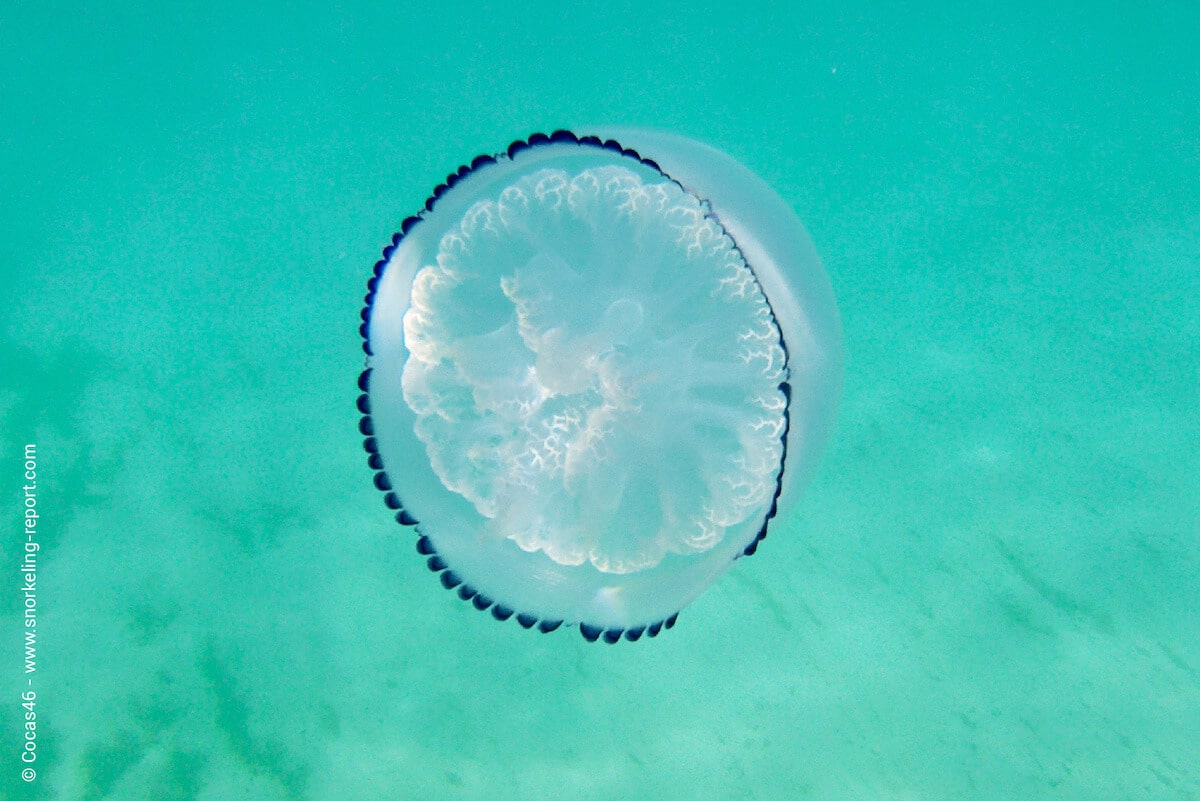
[598, 366]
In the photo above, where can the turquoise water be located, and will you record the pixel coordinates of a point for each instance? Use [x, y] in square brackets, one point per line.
[990, 591]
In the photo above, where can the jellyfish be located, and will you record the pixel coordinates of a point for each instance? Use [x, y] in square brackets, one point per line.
[598, 366]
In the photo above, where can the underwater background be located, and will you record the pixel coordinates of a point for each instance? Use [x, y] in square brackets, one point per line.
[990, 591]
